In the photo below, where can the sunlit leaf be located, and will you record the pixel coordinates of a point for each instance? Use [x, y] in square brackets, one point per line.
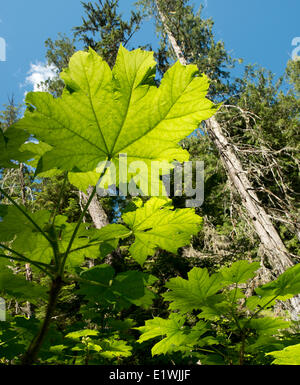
[104, 113]
[156, 224]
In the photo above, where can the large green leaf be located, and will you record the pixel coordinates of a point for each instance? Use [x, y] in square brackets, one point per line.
[193, 293]
[27, 240]
[102, 285]
[176, 335]
[103, 113]
[156, 224]
[268, 325]
[82, 333]
[239, 272]
[15, 224]
[171, 329]
[288, 356]
[112, 348]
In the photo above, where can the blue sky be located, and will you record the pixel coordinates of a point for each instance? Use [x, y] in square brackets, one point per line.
[259, 31]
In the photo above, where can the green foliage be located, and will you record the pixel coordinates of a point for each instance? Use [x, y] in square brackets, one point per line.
[239, 272]
[11, 139]
[58, 248]
[226, 331]
[177, 335]
[84, 348]
[288, 356]
[40, 239]
[199, 285]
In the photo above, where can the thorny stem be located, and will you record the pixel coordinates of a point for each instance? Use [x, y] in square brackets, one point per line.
[97, 243]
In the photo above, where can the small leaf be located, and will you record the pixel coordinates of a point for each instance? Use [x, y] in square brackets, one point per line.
[82, 333]
[193, 293]
[239, 272]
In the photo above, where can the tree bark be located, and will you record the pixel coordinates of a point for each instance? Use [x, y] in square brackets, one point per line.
[96, 211]
[274, 248]
[97, 214]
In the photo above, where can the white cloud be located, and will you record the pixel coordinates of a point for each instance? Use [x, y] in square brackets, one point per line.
[39, 73]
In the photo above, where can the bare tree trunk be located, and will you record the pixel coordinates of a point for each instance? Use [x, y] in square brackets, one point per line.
[96, 211]
[277, 253]
[274, 248]
[97, 214]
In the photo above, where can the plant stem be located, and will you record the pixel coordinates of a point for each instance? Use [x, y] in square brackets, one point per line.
[99, 242]
[31, 354]
[259, 310]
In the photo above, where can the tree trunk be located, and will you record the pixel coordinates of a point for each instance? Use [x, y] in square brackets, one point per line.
[97, 214]
[274, 248]
[96, 211]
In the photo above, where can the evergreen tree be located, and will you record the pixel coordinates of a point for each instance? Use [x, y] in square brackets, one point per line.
[104, 29]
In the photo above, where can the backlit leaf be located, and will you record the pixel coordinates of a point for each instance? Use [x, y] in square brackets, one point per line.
[104, 113]
[156, 224]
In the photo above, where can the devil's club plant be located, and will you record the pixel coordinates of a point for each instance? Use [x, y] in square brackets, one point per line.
[101, 114]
